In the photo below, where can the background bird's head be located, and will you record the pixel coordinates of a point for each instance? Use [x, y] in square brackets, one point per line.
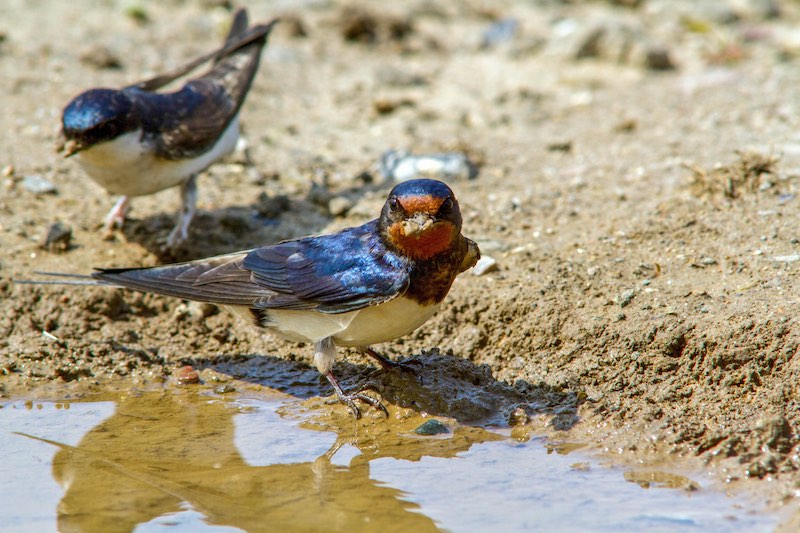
[421, 218]
[96, 116]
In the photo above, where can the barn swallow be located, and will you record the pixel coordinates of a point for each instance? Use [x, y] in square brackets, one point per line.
[358, 287]
[136, 141]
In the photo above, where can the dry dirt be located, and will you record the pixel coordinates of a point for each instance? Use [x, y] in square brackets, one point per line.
[637, 185]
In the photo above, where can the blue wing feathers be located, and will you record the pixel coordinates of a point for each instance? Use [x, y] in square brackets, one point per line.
[330, 273]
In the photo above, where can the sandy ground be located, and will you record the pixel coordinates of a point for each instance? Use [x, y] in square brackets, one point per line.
[637, 188]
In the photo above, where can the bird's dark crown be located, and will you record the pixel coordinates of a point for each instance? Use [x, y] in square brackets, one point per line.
[421, 218]
[99, 115]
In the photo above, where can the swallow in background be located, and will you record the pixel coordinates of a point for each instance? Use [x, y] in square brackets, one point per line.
[135, 141]
[358, 287]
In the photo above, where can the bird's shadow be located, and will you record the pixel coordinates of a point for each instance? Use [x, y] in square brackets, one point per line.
[270, 218]
[439, 385]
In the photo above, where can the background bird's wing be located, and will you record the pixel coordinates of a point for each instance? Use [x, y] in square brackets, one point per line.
[331, 274]
[188, 122]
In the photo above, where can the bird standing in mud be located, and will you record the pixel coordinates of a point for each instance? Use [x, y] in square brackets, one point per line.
[361, 286]
[135, 141]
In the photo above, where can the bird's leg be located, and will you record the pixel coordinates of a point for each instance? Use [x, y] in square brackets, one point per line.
[350, 399]
[324, 354]
[388, 364]
[116, 217]
[188, 208]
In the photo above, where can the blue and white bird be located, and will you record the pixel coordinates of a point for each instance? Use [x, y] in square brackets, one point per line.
[358, 287]
[135, 141]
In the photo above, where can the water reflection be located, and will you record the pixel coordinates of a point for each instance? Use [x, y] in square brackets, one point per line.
[180, 459]
[161, 451]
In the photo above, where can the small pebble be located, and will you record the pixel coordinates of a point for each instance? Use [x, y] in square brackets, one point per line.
[659, 59]
[432, 427]
[200, 310]
[57, 239]
[484, 265]
[339, 205]
[399, 165]
[787, 258]
[591, 45]
[625, 297]
[37, 184]
[186, 375]
[225, 388]
[101, 57]
[8, 171]
[499, 32]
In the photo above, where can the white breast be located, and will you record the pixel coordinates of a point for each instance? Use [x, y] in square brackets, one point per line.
[384, 322]
[125, 166]
[371, 325]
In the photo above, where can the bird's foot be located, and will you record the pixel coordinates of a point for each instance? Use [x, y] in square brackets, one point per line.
[115, 218]
[350, 399]
[176, 237]
[411, 366]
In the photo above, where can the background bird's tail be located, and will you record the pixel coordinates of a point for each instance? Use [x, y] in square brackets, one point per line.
[238, 37]
[238, 26]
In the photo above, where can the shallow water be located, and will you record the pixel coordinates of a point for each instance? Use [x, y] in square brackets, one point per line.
[177, 461]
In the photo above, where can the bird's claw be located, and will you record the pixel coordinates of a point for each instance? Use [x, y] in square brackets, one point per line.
[350, 401]
[403, 366]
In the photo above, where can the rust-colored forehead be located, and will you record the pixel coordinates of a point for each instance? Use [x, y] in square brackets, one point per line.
[420, 203]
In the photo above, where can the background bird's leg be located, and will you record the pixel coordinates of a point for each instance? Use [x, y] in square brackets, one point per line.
[116, 217]
[188, 208]
[388, 364]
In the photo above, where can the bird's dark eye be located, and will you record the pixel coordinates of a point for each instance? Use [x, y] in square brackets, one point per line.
[446, 206]
[394, 204]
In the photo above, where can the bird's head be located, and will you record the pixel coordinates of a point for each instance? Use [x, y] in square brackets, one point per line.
[96, 116]
[421, 218]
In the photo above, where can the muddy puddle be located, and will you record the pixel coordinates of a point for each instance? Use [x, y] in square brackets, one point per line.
[182, 459]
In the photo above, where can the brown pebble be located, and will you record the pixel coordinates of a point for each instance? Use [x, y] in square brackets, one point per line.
[186, 375]
[659, 59]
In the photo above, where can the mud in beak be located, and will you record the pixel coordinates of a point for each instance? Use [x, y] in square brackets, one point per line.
[417, 224]
[70, 147]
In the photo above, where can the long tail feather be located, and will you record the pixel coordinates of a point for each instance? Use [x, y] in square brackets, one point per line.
[255, 33]
[66, 279]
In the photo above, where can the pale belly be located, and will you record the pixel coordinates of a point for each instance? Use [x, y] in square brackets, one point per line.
[122, 166]
[371, 325]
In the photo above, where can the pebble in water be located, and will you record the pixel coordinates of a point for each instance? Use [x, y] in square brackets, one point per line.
[431, 427]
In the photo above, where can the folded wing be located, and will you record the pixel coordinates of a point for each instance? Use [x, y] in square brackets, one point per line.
[331, 274]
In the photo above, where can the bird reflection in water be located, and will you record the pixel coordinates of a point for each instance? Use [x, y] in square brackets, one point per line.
[162, 453]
